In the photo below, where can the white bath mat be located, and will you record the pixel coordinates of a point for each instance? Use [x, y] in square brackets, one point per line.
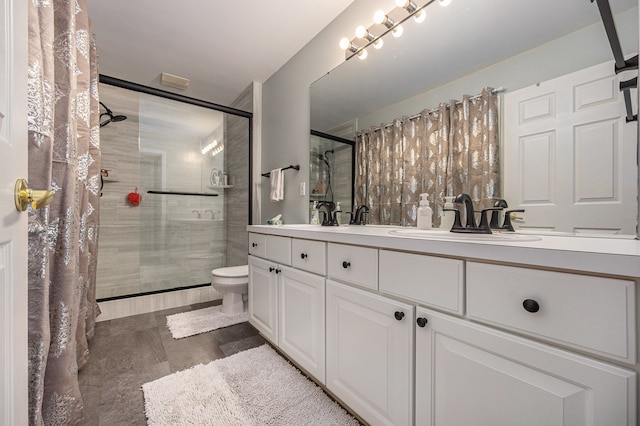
[254, 387]
[202, 320]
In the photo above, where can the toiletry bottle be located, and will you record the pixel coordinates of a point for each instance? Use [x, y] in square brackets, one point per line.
[337, 213]
[448, 217]
[425, 214]
[315, 217]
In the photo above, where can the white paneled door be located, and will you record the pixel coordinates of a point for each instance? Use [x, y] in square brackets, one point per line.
[570, 156]
[13, 225]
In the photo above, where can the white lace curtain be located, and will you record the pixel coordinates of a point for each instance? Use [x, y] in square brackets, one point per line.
[447, 151]
[64, 155]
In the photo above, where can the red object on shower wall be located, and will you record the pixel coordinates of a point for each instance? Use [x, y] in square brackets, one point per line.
[134, 198]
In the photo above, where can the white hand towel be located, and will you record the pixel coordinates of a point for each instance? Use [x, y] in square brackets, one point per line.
[277, 184]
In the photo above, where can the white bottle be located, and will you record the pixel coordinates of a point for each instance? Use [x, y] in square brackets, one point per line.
[448, 217]
[315, 216]
[425, 214]
[337, 213]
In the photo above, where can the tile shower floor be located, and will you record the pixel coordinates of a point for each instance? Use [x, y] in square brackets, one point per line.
[127, 352]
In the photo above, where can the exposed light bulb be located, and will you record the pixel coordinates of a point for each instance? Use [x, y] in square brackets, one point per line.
[420, 16]
[402, 3]
[379, 17]
[444, 3]
[397, 31]
[363, 54]
[361, 31]
[378, 43]
[344, 43]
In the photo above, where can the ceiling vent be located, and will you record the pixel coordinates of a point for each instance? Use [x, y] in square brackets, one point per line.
[174, 81]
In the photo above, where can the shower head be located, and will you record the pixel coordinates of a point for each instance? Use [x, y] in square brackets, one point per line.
[329, 151]
[110, 116]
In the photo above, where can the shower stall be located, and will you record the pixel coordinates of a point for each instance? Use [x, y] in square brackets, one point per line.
[175, 191]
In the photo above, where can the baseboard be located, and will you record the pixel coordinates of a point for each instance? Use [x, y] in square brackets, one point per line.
[155, 302]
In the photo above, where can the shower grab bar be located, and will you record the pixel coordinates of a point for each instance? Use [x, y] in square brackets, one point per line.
[291, 166]
[200, 194]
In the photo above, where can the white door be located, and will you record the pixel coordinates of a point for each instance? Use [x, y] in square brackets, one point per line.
[370, 354]
[263, 297]
[468, 374]
[570, 157]
[301, 322]
[13, 225]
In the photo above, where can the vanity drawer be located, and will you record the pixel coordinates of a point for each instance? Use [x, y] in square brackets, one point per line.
[593, 314]
[309, 255]
[428, 280]
[279, 249]
[258, 244]
[353, 264]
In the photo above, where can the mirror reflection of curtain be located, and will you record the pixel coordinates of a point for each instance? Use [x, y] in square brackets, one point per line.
[64, 154]
[447, 151]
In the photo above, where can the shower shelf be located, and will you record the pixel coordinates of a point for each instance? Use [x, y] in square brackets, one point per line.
[219, 186]
[198, 194]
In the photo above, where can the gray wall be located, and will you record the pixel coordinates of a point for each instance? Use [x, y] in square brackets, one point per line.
[285, 110]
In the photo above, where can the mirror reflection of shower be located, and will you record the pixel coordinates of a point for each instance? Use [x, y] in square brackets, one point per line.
[110, 118]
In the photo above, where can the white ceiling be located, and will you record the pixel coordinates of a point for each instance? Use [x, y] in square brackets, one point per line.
[220, 46]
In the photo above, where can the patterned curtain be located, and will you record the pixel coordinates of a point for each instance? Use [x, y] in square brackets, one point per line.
[64, 155]
[450, 150]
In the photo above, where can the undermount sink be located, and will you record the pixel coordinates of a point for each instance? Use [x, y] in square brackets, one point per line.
[453, 236]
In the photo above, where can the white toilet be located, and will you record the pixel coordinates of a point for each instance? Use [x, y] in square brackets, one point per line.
[233, 283]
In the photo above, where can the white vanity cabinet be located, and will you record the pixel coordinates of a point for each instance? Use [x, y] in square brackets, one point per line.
[263, 297]
[470, 374]
[301, 319]
[370, 354]
[353, 264]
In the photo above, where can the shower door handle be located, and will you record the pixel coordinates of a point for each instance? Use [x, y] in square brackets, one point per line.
[25, 196]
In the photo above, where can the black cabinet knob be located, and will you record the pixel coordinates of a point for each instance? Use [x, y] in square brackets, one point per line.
[422, 322]
[271, 269]
[399, 315]
[254, 244]
[531, 305]
[278, 271]
[346, 264]
[303, 255]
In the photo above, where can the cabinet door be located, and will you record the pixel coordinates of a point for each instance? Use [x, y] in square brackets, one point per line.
[263, 297]
[370, 354]
[301, 321]
[468, 374]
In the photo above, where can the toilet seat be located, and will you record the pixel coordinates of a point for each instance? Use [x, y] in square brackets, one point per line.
[231, 275]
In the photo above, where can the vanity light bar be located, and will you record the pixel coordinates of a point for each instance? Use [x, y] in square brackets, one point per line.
[404, 10]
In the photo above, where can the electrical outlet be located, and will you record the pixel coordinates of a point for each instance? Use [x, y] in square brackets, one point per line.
[303, 188]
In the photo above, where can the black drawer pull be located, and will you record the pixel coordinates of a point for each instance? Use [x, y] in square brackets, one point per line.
[303, 255]
[271, 269]
[399, 315]
[254, 244]
[278, 271]
[531, 305]
[422, 322]
[346, 264]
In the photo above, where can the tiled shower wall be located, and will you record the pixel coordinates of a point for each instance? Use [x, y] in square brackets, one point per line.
[135, 254]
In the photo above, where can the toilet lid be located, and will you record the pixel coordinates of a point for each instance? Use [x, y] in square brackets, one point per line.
[232, 271]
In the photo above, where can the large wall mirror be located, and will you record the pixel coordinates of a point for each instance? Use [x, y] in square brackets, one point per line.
[533, 51]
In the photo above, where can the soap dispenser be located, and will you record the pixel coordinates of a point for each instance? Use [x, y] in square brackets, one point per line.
[448, 215]
[425, 213]
[315, 216]
[337, 213]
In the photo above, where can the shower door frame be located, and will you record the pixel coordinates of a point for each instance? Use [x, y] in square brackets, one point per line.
[116, 82]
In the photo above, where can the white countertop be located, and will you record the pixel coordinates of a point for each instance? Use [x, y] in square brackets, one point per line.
[615, 256]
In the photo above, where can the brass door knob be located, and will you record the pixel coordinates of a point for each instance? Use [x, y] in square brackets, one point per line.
[25, 196]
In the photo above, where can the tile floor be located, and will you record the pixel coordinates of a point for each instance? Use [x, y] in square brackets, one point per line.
[128, 352]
